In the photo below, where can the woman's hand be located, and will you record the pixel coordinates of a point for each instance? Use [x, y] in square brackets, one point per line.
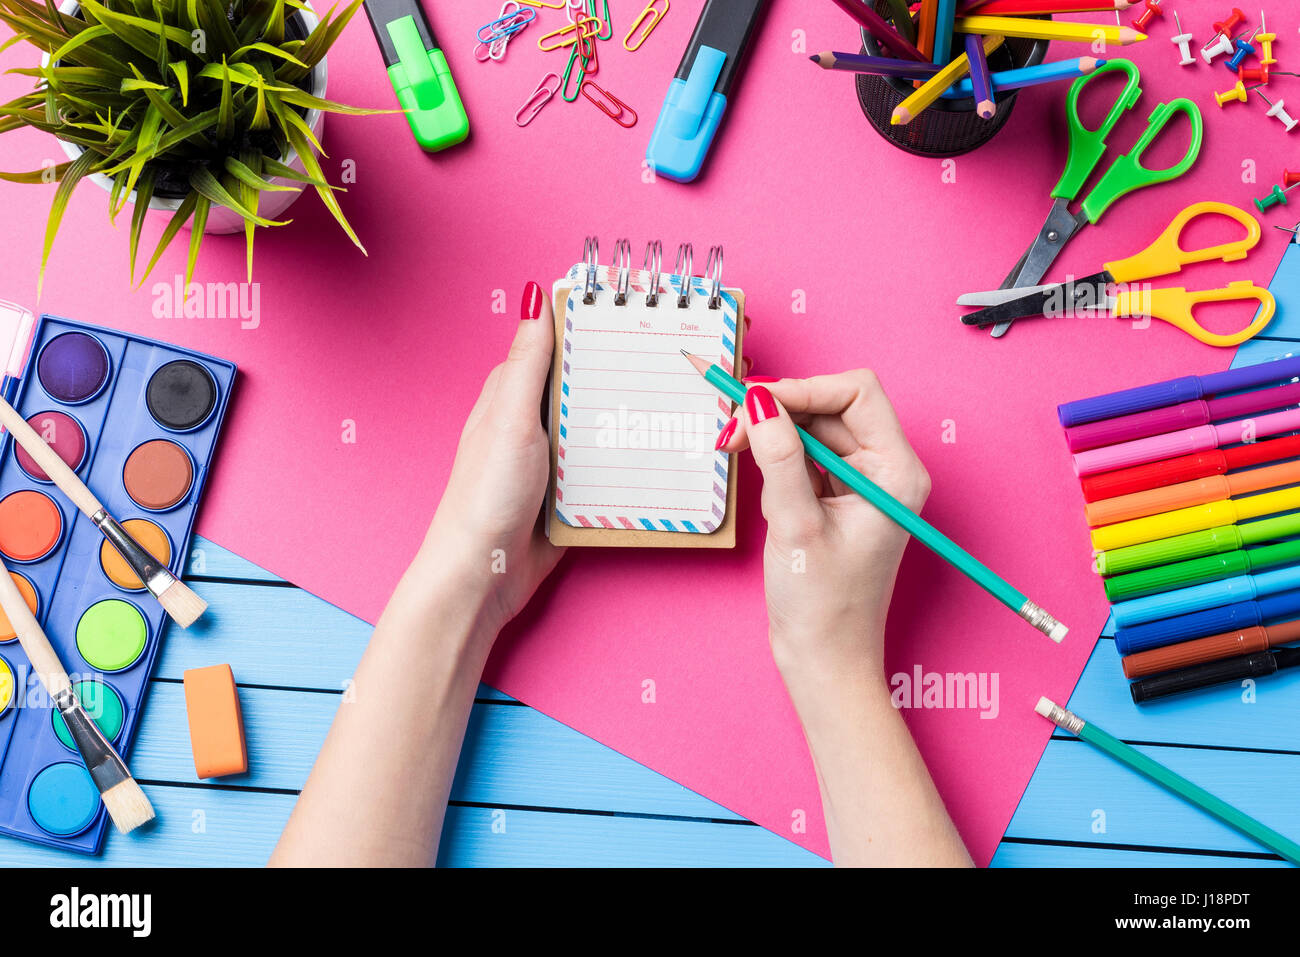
[831, 556]
[489, 520]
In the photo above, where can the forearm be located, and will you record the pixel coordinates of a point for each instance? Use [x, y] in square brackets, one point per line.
[378, 792]
[880, 804]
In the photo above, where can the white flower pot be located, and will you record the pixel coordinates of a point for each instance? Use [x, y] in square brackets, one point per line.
[272, 203]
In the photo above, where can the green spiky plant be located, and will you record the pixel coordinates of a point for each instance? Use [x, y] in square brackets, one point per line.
[199, 101]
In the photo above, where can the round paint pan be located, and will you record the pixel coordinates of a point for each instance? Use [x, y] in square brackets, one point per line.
[30, 525]
[150, 535]
[111, 635]
[102, 703]
[73, 367]
[6, 686]
[63, 434]
[181, 395]
[28, 591]
[158, 475]
[62, 799]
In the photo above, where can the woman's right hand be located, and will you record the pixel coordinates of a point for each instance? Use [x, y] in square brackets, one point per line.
[831, 556]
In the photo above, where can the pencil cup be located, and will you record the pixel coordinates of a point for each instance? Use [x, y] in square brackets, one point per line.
[949, 127]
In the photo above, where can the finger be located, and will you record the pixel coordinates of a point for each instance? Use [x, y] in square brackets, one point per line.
[789, 501]
[746, 363]
[528, 366]
[856, 397]
[484, 399]
[830, 429]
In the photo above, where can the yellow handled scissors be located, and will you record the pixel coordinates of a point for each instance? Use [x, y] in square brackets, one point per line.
[1164, 257]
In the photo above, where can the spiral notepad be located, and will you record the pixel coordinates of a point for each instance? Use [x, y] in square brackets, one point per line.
[632, 424]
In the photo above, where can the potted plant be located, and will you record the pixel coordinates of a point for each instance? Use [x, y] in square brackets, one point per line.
[208, 111]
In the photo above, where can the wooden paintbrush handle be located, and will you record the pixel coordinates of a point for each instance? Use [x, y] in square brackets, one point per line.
[49, 460]
[31, 636]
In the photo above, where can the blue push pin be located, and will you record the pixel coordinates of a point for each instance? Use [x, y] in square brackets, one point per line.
[1244, 49]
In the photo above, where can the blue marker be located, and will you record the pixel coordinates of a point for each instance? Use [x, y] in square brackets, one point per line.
[697, 97]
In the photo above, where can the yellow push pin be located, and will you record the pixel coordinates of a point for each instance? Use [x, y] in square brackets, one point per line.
[1266, 57]
[1238, 92]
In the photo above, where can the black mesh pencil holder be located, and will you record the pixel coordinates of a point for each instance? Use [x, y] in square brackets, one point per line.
[948, 127]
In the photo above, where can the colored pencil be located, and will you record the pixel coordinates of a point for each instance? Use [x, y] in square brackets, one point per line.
[1026, 8]
[1184, 442]
[1125, 508]
[1185, 468]
[1194, 598]
[879, 28]
[1196, 571]
[1047, 29]
[1004, 80]
[927, 20]
[1167, 779]
[1211, 541]
[900, 18]
[879, 65]
[1244, 641]
[1185, 415]
[1207, 621]
[1260, 664]
[919, 528]
[944, 15]
[911, 107]
[1195, 519]
[981, 82]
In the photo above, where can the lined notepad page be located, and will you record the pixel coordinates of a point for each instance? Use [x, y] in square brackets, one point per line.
[637, 422]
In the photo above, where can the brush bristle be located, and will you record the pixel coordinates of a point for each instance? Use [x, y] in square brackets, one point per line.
[127, 805]
[180, 602]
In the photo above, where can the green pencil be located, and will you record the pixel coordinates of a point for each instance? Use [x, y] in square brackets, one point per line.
[1167, 779]
[920, 529]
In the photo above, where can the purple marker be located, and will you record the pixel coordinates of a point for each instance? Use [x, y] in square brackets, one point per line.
[1185, 415]
[1174, 391]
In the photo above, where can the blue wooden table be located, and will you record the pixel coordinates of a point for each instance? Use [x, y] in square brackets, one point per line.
[530, 791]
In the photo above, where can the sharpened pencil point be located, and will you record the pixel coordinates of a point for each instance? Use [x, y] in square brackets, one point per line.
[986, 109]
[900, 117]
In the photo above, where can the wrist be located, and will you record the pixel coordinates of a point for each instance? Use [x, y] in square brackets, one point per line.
[458, 595]
[845, 660]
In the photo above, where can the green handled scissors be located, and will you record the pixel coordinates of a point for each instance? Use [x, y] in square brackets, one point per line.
[1125, 174]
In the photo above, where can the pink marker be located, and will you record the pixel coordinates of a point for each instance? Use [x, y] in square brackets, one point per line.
[1184, 442]
[1185, 415]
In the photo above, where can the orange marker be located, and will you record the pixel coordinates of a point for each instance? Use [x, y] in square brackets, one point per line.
[1153, 501]
[216, 725]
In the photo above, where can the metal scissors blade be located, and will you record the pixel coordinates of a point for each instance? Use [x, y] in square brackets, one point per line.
[1061, 298]
[1060, 227]
[996, 297]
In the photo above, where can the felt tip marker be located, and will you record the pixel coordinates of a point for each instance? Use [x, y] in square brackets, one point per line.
[1212, 541]
[1186, 468]
[1228, 644]
[1260, 664]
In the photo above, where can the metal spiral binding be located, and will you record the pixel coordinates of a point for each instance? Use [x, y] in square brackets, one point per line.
[714, 269]
[686, 259]
[654, 263]
[623, 258]
[591, 259]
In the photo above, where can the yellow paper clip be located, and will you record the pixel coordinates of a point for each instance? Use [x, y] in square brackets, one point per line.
[621, 113]
[654, 13]
[580, 29]
[543, 3]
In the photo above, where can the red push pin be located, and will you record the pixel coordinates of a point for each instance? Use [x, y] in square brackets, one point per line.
[1253, 74]
[1142, 20]
[1228, 25]
[1290, 177]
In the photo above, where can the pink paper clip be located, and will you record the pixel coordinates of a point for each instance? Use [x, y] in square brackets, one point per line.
[622, 111]
[539, 98]
[575, 10]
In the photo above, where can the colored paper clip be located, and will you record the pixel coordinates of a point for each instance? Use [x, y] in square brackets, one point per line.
[580, 28]
[590, 64]
[575, 11]
[543, 3]
[568, 76]
[586, 42]
[539, 98]
[654, 13]
[622, 110]
[509, 23]
[608, 32]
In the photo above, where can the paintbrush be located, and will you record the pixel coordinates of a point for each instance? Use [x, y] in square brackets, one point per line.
[126, 803]
[175, 596]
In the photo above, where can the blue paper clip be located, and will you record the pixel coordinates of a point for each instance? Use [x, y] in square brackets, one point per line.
[505, 26]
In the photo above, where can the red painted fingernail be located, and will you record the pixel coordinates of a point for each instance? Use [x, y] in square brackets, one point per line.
[531, 307]
[760, 405]
[754, 379]
[725, 435]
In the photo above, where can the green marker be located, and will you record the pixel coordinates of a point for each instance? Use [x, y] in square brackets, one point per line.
[419, 73]
[1211, 541]
[1199, 571]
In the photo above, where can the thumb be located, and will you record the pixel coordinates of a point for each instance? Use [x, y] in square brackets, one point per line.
[526, 369]
[790, 504]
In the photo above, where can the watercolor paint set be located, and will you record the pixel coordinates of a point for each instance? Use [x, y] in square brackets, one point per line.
[138, 421]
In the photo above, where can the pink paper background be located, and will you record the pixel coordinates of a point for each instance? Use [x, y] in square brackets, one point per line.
[808, 201]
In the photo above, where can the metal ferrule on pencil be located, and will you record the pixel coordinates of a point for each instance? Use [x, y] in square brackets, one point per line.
[155, 575]
[105, 767]
[1063, 718]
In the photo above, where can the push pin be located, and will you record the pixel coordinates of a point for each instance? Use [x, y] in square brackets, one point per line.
[1221, 45]
[1266, 58]
[1152, 11]
[1275, 198]
[1238, 92]
[1184, 43]
[1253, 74]
[1244, 49]
[1228, 25]
[1278, 110]
[1290, 177]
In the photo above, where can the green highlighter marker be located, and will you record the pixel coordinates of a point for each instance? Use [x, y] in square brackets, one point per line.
[419, 73]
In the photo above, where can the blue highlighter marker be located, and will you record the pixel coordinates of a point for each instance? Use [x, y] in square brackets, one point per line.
[697, 98]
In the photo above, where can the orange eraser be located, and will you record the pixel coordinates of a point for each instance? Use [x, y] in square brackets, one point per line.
[216, 726]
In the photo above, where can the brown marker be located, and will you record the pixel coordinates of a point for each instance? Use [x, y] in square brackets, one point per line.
[1227, 645]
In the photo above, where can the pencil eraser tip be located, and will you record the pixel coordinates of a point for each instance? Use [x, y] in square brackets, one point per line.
[1044, 707]
[1058, 632]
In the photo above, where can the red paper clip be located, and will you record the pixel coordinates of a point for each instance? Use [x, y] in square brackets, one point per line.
[592, 63]
[621, 112]
[539, 98]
